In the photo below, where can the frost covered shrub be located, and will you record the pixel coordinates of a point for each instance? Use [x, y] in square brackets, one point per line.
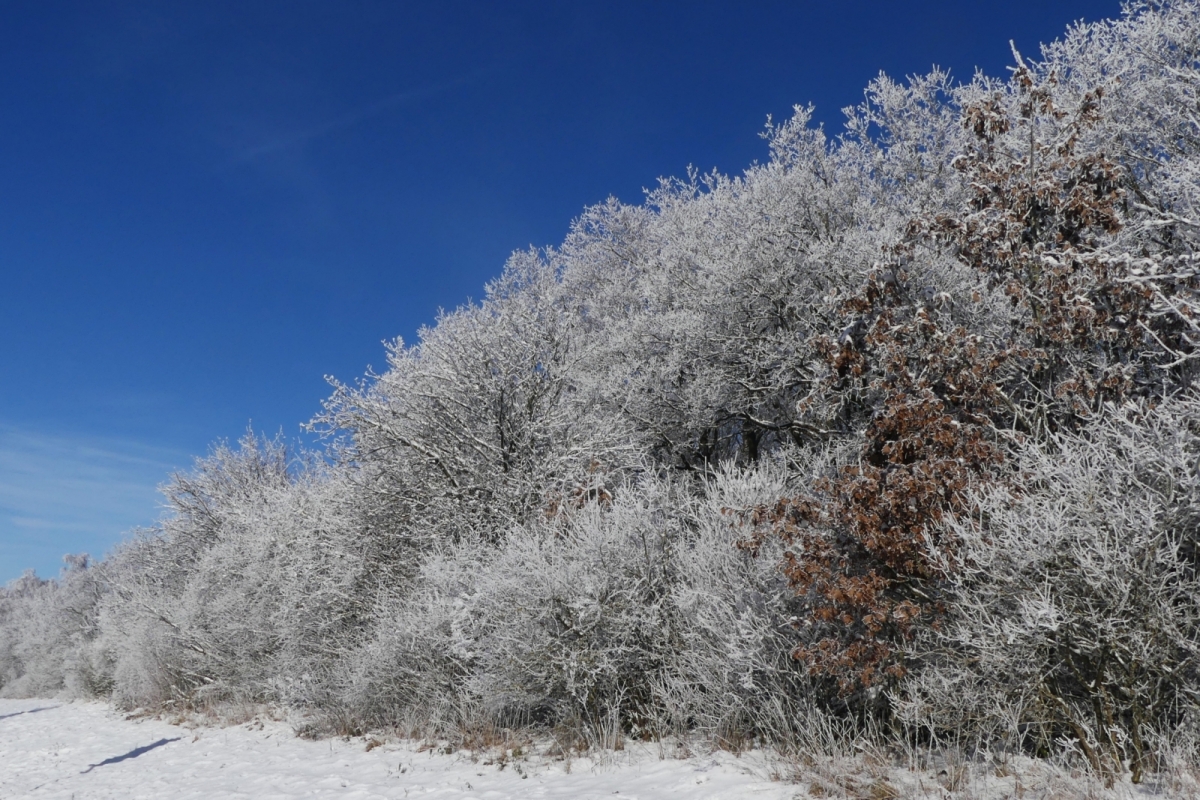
[1076, 601]
[572, 620]
[47, 628]
[249, 590]
[729, 673]
[631, 616]
[408, 672]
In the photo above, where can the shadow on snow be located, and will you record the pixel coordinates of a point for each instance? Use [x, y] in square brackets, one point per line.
[137, 751]
[27, 711]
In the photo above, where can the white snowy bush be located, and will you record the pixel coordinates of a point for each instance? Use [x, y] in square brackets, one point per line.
[1075, 606]
[630, 616]
[47, 628]
[251, 589]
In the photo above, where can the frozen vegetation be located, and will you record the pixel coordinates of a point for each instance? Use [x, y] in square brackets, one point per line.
[890, 444]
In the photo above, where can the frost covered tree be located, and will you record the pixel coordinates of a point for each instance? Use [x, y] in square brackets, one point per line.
[483, 423]
[1020, 309]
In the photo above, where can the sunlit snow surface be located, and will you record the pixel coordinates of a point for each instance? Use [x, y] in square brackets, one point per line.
[85, 750]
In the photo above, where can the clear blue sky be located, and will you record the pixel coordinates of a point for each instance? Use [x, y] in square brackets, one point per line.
[205, 207]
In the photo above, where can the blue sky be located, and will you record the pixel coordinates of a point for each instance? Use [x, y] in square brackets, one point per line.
[207, 207]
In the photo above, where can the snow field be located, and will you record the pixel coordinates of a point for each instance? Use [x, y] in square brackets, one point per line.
[86, 750]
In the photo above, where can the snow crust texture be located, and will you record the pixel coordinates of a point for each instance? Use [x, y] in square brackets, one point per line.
[55, 749]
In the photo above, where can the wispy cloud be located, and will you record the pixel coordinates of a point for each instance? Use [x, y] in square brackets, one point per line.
[61, 494]
[355, 117]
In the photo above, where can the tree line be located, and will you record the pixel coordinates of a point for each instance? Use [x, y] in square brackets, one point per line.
[895, 432]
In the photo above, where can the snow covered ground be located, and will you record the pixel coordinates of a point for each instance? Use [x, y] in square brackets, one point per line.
[54, 749]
